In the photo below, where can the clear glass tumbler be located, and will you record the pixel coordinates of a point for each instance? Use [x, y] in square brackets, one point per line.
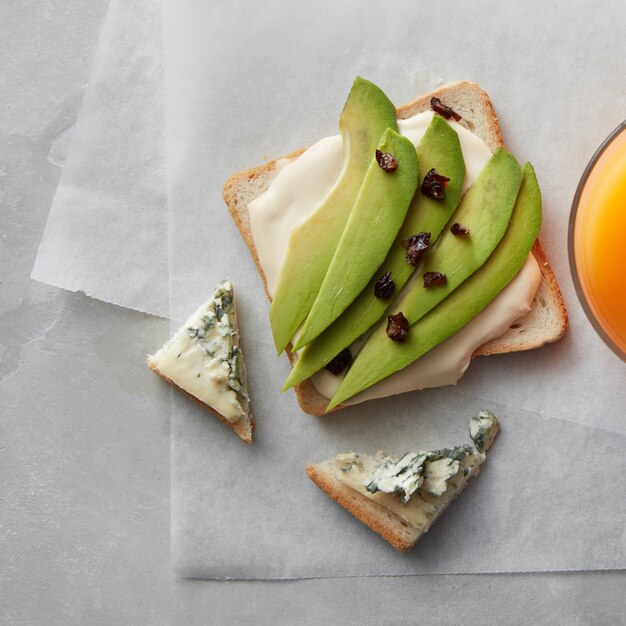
[597, 241]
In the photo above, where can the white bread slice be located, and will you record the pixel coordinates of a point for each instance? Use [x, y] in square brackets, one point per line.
[158, 363]
[390, 525]
[547, 320]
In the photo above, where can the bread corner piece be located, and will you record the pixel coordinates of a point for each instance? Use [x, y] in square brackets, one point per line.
[547, 320]
[400, 497]
[204, 361]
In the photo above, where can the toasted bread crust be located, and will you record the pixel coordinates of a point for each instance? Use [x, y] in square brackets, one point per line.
[243, 426]
[479, 116]
[391, 527]
[238, 208]
[482, 107]
[517, 338]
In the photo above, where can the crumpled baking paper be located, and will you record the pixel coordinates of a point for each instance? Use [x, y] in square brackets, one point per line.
[106, 233]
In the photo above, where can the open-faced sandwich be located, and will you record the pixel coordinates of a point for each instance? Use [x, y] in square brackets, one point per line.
[394, 253]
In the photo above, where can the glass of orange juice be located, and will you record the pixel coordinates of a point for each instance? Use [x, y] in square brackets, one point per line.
[597, 241]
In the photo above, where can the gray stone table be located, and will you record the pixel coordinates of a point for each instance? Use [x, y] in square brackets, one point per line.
[84, 454]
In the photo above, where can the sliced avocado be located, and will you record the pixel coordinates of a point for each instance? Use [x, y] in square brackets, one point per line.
[365, 116]
[439, 149]
[485, 211]
[374, 222]
[381, 357]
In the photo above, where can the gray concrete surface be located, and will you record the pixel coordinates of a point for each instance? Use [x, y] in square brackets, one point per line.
[84, 444]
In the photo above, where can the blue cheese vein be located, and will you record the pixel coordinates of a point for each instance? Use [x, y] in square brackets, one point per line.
[482, 430]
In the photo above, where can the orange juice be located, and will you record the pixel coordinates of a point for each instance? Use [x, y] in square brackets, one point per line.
[598, 241]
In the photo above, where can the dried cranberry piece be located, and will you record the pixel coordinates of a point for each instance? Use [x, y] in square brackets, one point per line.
[397, 327]
[416, 246]
[432, 279]
[384, 286]
[445, 111]
[434, 185]
[340, 362]
[459, 229]
[387, 161]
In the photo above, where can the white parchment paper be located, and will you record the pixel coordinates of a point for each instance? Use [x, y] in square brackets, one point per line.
[245, 83]
[546, 499]
[107, 230]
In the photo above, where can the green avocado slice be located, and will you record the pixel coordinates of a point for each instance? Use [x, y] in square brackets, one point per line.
[456, 310]
[374, 222]
[312, 244]
[440, 149]
[485, 210]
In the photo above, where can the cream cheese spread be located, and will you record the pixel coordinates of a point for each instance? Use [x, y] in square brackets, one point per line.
[204, 359]
[446, 363]
[299, 186]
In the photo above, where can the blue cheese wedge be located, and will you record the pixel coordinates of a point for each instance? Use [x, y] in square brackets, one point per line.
[401, 496]
[204, 359]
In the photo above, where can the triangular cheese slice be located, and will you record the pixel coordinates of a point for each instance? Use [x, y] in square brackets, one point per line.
[400, 497]
[204, 360]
